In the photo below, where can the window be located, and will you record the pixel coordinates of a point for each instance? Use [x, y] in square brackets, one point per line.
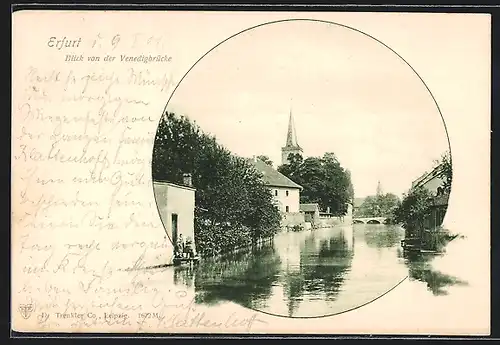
[275, 192]
[287, 209]
[286, 193]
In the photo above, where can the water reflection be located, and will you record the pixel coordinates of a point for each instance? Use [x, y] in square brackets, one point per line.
[245, 277]
[184, 276]
[420, 267]
[319, 272]
[303, 274]
[382, 236]
[321, 269]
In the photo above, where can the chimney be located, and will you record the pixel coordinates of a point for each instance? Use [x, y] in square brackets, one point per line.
[187, 180]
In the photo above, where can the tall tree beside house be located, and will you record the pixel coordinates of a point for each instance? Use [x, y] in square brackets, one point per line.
[233, 206]
[414, 208]
[446, 171]
[291, 170]
[324, 180]
[265, 159]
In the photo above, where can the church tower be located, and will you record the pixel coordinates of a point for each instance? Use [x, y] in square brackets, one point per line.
[291, 142]
[379, 189]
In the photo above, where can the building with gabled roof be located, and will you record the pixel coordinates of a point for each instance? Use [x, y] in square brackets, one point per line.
[433, 181]
[286, 192]
[430, 180]
[273, 177]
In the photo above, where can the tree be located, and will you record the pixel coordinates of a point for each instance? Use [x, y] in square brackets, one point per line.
[414, 209]
[446, 171]
[233, 206]
[265, 159]
[324, 180]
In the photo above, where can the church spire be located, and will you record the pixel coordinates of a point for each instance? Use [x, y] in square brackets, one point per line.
[292, 146]
[291, 137]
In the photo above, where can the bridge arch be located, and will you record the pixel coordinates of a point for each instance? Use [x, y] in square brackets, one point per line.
[373, 221]
[357, 221]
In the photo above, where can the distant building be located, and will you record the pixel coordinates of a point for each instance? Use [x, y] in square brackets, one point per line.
[176, 204]
[311, 213]
[292, 145]
[350, 210]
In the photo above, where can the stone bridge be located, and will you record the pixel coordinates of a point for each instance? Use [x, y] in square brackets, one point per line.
[369, 220]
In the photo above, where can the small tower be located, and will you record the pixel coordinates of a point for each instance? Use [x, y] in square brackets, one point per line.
[379, 189]
[291, 142]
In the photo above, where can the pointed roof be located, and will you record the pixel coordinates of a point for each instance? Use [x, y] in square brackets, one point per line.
[291, 137]
[427, 176]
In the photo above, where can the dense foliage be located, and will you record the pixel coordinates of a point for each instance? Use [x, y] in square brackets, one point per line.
[446, 171]
[382, 205]
[324, 180]
[414, 209]
[233, 206]
[416, 206]
[265, 159]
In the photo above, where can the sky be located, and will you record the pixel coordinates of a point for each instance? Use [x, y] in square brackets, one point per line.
[348, 94]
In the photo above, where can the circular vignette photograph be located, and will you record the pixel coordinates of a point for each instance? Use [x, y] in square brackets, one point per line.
[302, 169]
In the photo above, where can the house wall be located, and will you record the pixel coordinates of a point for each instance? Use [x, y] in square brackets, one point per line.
[435, 219]
[172, 199]
[282, 200]
[311, 217]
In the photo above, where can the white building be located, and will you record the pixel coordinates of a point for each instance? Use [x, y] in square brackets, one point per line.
[176, 205]
[286, 193]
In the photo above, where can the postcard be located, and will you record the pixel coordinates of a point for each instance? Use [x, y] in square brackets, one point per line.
[250, 172]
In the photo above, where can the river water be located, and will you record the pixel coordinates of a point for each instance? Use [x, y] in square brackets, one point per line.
[313, 273]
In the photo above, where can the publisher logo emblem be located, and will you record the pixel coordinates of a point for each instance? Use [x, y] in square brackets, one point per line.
[26, 310]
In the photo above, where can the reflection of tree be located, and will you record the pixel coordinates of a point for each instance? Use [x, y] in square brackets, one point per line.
[184, 276]
[421, 269]
[383, 238]
[436, 240]
[294, 289]
[245, 277]
[323, 267]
